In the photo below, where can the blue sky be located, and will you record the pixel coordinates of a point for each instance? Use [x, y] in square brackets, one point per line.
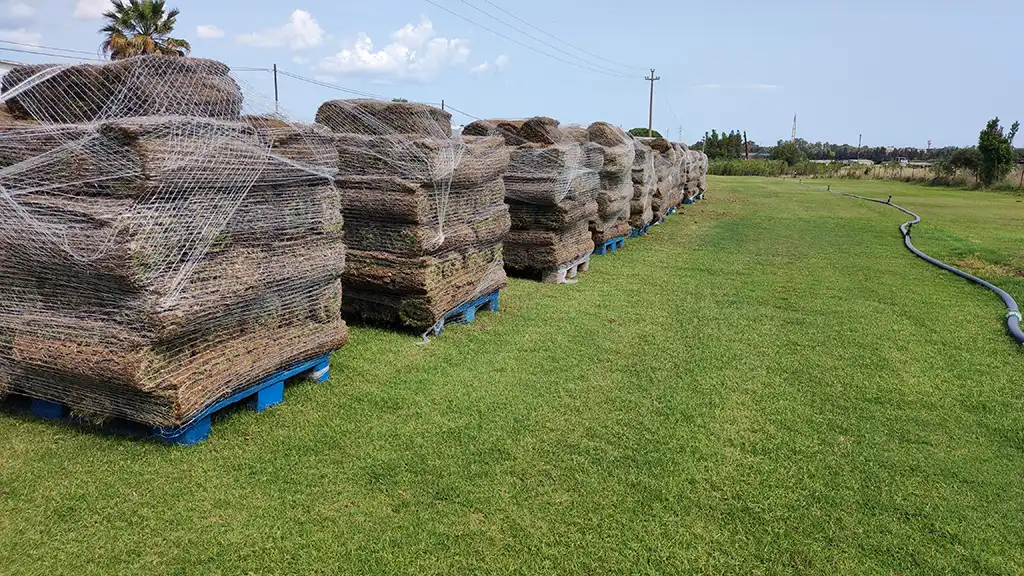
[901, 72]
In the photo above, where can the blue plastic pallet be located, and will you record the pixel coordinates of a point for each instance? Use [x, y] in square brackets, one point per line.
[467, 312]
[268, 392]
[690, 200]
[612, 245]
[671, 211]
[659, 221]
[638, 232]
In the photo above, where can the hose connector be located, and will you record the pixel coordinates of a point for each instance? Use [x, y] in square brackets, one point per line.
[1015, 314]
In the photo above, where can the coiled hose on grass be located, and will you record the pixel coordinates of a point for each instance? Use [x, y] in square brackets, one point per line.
[1013, 315]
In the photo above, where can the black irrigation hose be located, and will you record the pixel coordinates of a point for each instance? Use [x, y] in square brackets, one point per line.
[1013, 316]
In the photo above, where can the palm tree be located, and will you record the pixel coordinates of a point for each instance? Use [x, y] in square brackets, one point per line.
[141, 27]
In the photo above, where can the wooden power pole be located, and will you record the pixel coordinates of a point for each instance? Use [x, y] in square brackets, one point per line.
[650, 115]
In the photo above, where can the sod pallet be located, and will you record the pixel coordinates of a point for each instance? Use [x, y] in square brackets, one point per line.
[613, 245]
[564, 274]
[260, 396]
[641, 231]
[466, 313]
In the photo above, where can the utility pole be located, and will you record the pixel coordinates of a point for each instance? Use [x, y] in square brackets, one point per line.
[650, 116]
[860, 140]
[277, 107]
[794, 127]
[680, 135]
[442, 104]
[746, 146]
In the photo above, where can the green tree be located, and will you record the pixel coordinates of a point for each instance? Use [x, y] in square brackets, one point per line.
[995, 152]
[965, 159]
[642, 133]
[788, 152]
[140, 27]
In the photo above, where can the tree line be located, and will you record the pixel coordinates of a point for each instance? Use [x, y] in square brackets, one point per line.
[990, 161]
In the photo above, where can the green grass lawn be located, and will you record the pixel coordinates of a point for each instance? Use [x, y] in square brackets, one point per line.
[767, 383]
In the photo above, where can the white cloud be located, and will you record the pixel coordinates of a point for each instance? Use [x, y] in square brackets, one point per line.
[761, 86]
[326, 78]
[301, 61]
[302, 31]
[16, 10]
[21, 36]
[415, 52]
[499, 64]
[205, 31]
[91, 9]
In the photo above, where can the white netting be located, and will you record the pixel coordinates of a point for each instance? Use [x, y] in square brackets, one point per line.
[667, 169]
[695, 174]
[164, 239]
[645, 180]
[551, 189]
[615, 194]
[424, 210]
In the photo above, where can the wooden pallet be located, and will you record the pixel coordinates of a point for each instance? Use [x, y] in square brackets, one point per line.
[569, 272]
[264, 394]
[612, 245]
[466, 313]
[638, 232]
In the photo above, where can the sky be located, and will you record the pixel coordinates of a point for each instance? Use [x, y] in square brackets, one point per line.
[900, 72]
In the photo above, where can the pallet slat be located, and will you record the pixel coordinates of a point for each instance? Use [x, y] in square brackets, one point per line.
[612, 245]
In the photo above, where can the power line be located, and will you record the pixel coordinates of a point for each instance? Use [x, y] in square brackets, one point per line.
[669, 104]
[93, 54]
[545, 43]
[560, 40]
[331, 86]
[50, 54]
[448, 106]
[527, 46]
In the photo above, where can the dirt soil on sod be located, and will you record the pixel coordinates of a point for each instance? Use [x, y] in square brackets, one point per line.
[766, 383]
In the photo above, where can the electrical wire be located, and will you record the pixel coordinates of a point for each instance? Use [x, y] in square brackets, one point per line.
[545, 43]
[47, 47]
[448, 106]
[524, 45]
[548, 34]
[331, 86]
[79, 58]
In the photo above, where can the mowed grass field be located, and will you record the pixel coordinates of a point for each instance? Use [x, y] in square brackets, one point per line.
[768, 383]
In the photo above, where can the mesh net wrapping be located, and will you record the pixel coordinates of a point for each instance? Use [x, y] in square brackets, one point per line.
[424, 211]
[164, 242]
[617, 152]
[552, 186]
[695, 174]
[644, 179]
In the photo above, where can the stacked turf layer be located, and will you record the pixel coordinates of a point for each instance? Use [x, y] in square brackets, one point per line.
[665, 176]
[424, 213]
[644, 181]
[551, 188]
[167, 253]
[679, 157]
[695, 174]
[615, 194]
